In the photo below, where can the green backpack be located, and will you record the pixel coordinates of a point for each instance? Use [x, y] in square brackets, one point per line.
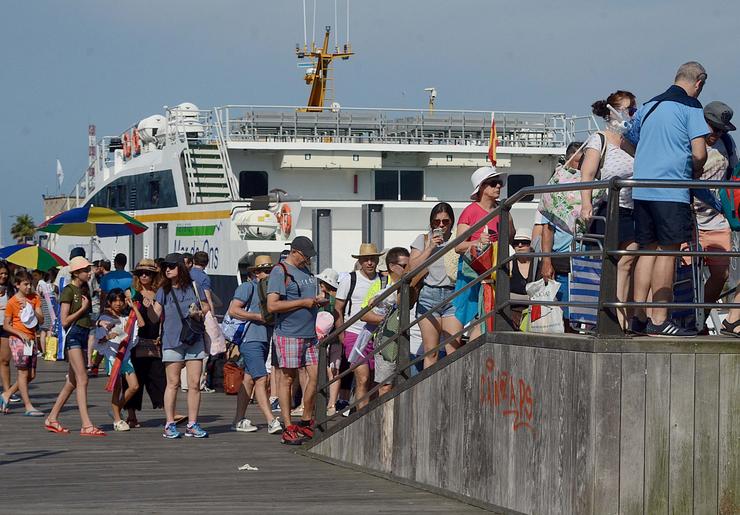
[387, 329]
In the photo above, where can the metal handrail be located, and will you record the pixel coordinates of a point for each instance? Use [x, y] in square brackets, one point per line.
[503, 302]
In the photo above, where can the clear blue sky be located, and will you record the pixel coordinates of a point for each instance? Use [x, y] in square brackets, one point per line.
[69, 63]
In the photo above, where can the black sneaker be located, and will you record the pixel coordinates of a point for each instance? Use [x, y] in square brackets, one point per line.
[637, 326]
[668, 330]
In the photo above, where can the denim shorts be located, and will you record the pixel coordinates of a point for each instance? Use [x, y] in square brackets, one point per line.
[254, 356]
[184, 353]
[76, 338]
[430, 296]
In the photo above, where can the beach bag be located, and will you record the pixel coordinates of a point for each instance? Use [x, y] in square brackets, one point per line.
[215, 337]
[730, 200]
[233, 329]
[584, 285]
[480, 260]
[357, 354]
[387, 329]
[233, 372]
[563, 208]
[544, 319]
[50, 352]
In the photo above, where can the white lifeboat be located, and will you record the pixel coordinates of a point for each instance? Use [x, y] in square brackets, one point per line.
[259, 224]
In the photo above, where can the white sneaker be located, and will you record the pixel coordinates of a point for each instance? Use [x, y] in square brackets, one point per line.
[244, 426]
[274, 426]
[121, 425]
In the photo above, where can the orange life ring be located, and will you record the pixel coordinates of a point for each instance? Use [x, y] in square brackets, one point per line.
[136, 142]
[285, 219]
[126, 146]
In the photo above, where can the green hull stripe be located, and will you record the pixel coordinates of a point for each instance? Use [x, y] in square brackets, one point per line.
[196, 230]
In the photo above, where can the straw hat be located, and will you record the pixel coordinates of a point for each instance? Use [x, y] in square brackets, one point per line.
[261, 263]
[78, 263]
[146, 264]
[367, 249]
[481, 175]
[523, 233]
[330, 277]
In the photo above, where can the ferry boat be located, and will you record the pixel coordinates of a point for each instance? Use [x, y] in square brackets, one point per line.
[240, 180]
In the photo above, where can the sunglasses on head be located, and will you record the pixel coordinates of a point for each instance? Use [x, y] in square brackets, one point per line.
[443, 223]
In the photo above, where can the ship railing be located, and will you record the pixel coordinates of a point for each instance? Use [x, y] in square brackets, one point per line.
[579, 128]
[606, 305]
[395, 126]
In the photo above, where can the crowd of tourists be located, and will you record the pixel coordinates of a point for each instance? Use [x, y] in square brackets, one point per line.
[281, 313]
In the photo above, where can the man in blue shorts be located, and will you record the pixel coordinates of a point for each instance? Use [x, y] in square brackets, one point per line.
[293, 295]
[668, 132]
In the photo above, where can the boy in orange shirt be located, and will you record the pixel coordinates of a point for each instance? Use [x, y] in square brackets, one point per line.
[22, 316]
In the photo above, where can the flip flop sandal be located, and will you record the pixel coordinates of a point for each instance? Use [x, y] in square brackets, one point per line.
[91, 431]
[56, 427]
[133, 424]
[33, 413]
[728, 329]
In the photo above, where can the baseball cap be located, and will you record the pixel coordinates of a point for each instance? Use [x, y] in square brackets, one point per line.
[718, 115]
[303, 245]
[175, 258]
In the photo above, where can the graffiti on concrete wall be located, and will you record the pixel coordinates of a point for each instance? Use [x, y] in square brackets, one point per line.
[509, 395]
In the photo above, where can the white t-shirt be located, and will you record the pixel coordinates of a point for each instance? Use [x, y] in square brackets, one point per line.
[617, 163]
[708, 218]
[358, 295]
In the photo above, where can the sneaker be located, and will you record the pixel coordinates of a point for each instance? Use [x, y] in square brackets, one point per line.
[196, 431]
[348, 412]
[275, 426]
[331, 411]
[297, 412]
[305, 427]
[205, 389]
[14, 398]
[121, 425]
[668, 330]
[244, 426]
[275, 405]
[637, 326]
[292, 436]
[170, 431]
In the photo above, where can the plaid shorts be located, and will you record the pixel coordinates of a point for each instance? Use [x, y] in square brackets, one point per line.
[21, 362]
[296, 352]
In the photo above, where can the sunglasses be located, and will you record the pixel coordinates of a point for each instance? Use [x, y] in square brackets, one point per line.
[402, 265]
[443, 223]
[517, 243]
[493, 182]
[632, 110]
[170, 266]
[145, 272]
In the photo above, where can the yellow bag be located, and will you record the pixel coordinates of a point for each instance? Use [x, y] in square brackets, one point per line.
[50, 353]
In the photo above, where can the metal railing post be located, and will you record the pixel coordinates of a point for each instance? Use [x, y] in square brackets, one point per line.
[404, 317]
[608, 321]
[322, 391]
[502, 320]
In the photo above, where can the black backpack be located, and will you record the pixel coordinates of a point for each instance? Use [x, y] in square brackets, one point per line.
[268, 317]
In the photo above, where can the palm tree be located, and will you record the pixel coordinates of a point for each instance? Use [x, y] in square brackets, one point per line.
[23, 229]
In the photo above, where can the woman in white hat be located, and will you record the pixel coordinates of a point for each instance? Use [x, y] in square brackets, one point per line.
[487, 184]
[521, 272]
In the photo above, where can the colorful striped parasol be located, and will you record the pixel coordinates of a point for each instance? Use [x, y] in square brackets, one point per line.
[31, 256]
[93, 221]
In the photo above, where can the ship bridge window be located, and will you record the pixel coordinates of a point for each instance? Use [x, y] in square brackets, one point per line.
[154, 193]
[399, 185]
[517, 182]
[252, 184]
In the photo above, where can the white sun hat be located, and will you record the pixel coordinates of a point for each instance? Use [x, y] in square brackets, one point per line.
[330, 277]
[481, 175]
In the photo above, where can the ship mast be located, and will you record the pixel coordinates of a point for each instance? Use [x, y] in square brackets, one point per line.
[319, 74]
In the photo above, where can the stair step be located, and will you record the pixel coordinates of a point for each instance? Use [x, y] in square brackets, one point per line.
[205, 146]
[207, 165]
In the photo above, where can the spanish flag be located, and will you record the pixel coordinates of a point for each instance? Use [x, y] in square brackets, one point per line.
[492, 144]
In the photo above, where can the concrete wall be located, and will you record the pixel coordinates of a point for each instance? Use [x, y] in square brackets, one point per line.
[537, 424]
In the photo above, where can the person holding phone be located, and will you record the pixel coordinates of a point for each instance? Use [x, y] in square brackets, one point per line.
[437, 285]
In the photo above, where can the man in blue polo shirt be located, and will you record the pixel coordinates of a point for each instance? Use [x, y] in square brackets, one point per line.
[668, 132]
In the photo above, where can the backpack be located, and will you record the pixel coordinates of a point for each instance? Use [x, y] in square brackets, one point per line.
[348, 305]
[268, 317]
[730, 200]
